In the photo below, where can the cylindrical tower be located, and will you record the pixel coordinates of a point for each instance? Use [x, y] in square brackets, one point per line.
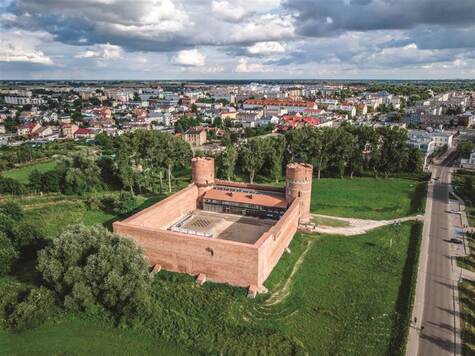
[202, 169]
[299, 185]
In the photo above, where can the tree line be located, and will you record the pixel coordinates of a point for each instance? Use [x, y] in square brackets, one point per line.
[345, 151]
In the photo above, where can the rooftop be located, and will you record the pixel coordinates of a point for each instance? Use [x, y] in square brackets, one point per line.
[268, 200]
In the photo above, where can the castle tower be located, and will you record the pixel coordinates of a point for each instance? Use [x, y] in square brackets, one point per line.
[299, 185]
[202, 171]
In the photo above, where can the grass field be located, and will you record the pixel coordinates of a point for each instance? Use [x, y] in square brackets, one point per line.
[349, 295]
[368, 198]
[467, 301]
[331, 295]
[52, 219]
[72, 336]
[22, 174]
[468, 262]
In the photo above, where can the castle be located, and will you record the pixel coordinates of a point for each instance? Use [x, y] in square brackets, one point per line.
[220, 230]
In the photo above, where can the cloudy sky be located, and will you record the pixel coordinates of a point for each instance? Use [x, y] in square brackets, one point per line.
[237, 39]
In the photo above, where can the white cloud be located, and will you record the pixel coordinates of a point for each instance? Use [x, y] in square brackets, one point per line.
[105, 51]
[246, 66]
[267, 48]
[265, 28]
[227, 11]
[189, 58]
[23, 46]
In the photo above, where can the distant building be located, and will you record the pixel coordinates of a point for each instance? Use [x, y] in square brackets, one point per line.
[195, 136]
[468, 163]
[28, 129]
[68, 130]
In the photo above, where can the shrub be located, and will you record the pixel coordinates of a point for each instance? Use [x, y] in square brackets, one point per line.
[12, 210]
[126, 203]
[11, 186]
[8, 254]
[89, 266]
[33, 310]
[109, 203]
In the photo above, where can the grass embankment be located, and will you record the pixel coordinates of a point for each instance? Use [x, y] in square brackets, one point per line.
[21, 174]
[346, 296]
[468, 262]
[70, 335]
[368, 198]
[331, 295]
[465, 192]
[467, 302]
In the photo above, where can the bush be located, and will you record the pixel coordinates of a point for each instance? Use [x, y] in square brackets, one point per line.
[109, 203]
[11, 186]
[126, 203]
[12, 210]
[33, 310]
[8, 254]
[89, 266]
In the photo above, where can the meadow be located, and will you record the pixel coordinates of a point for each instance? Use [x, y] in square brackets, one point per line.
[368, 198]
[331, 295]
[21, 174]
[467, 306]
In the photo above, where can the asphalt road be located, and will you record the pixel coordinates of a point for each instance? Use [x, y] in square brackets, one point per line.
[437, 334]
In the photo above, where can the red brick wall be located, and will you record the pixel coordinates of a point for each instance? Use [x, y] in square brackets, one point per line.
[274, 242]
[165, 212]
[232, 262]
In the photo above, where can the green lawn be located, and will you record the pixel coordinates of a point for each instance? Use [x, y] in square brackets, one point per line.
[72, 336]
[52, 219]
[350, 295]
[346, 295]
[22, 174]
[368, 198]
[467, 306]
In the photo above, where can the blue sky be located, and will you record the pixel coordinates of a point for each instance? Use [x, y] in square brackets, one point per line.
[237, 39]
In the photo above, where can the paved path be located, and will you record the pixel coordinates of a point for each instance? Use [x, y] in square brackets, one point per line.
[357, 226]
[437, 329]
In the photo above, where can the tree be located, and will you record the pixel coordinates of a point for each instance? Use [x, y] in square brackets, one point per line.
[343, 147]
[12, 209]
[8, 254]
[252, 157]
[89, 266]
[218, 122]
[415, 160]
[464, 148]
[276, 157]
[33, 310]
[11, 186]
[226, 162]
[126, 203]
[34, 180]
[322, 143]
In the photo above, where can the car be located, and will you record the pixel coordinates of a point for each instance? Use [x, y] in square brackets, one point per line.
[455, 241]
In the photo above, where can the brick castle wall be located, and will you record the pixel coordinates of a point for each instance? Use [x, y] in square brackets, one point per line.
[274, 242]
[222, 261]
[165, 212]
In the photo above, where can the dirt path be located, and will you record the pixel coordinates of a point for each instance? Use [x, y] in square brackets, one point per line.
[283, 292]
[357, 226]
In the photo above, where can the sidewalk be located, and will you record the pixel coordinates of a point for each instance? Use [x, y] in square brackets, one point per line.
[412, 346]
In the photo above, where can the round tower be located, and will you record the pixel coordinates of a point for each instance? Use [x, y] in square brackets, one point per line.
[299, 185]
[202, 171]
